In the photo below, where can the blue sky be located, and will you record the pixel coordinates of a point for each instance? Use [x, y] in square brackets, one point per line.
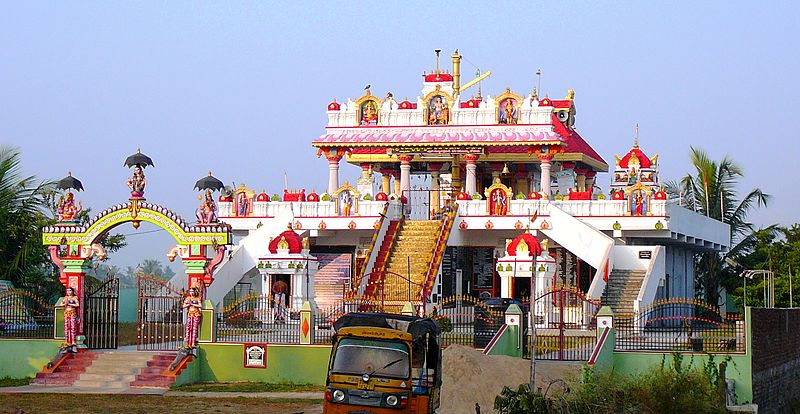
[240, 88]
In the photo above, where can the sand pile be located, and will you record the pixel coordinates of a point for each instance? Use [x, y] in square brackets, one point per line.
[470, 377]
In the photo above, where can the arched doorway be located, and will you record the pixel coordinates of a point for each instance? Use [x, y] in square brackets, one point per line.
[200, 247]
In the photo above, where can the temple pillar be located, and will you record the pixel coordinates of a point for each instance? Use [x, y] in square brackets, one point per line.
[455, 179]
[497, 168]
[471, 160]
[364, 183]
[580, 179]
[405, 174]
[435, 195]
[545, 175]
[522, 183]
[386, 182]
[396, 176]
[333, 172]
[590, 179]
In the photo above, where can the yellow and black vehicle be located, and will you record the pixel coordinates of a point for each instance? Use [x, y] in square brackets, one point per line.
[384, 364]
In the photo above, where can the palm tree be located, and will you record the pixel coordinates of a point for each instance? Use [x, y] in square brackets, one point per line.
[712, 192]
[23, 202]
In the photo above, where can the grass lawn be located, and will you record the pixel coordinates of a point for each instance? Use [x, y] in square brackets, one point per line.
[250, 387]
[147, 404]
[14, 382]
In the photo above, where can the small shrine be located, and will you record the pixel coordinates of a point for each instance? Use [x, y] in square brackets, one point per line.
[636, 180]
[524, 256]
[289, 266]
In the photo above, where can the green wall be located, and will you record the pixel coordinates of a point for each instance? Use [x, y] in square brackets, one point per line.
[508, 343]
[295, 364]
[739, 368]
[23, 358]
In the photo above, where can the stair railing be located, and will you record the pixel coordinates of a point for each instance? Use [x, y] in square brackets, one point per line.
[371, 253]
[438, 251]
[381, 269]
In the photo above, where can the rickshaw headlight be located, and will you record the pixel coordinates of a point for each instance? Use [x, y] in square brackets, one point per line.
[392, 400]
[338, 395]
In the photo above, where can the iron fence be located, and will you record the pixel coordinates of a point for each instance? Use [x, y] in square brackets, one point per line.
[254, 319]
[25, 315]
[101, 316]
[466, 320]
[680, 325]
[160, 315]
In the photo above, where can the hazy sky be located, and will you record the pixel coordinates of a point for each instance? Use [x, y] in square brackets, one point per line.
[241, 88]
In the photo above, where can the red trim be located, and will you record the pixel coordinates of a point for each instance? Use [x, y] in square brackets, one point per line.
[494, 339]
[598, 346]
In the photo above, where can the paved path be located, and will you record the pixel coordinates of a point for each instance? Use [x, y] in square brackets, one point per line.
[310, 395]
[40, 389]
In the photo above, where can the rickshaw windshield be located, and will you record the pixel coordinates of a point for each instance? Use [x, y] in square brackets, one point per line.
[364, 356]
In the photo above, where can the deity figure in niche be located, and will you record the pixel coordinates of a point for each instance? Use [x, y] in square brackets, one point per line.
[633, 175]
[67, 210]
[499, 202]
[207, 212]
[509, 113]
[369, 113]
[137, 182]
[638, 203]
[242, 204]
[71, 306]
[346, 203]
[438, 111]
[193, 304]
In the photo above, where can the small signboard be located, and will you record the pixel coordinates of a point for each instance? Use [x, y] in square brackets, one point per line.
[645, 254]
[255, 355]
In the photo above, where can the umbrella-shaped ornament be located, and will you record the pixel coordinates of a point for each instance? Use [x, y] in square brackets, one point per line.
[139, 159]
[209, 182]
[69, 183]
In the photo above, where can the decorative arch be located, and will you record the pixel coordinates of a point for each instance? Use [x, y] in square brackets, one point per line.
[135, 212]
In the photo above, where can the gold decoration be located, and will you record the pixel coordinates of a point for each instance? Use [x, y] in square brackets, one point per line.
[570, 94]
[497, 185]
[503, 96]
[353, 192]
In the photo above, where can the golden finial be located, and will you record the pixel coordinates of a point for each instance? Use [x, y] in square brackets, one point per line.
[535, 94]
[508, 90]
[636, 136]
[570, 94]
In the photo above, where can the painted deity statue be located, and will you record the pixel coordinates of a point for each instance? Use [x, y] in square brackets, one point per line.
[67, 210]
[347, 203]
[71, 306]
[509, 116]
[137, 182]
[207, 212]
[242, 204]
[370, 116]
[193, 304]
[438, 112]
[279, 290]
[500, 200]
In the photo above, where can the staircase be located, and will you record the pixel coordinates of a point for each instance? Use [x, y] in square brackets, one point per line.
[622, 289]
[114, 370]
[383, 256]
[410, 257]
[330, 279]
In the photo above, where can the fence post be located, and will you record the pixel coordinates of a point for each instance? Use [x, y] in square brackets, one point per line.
[603, 353]
[306, 324]
[514, 322]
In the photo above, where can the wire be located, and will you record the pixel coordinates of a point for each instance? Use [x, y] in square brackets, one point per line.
[141, 232]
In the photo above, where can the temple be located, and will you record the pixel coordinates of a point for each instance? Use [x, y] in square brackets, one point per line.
[461, 194]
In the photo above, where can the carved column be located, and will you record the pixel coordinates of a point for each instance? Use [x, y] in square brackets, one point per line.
[405, 174]
[471, 160]
[590, 179]
[386, 181]
[396, 176]
[580, 178]
[547, 162]
[364, 183]
[333, 171]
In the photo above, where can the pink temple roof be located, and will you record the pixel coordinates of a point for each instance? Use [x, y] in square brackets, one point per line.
[443, 136]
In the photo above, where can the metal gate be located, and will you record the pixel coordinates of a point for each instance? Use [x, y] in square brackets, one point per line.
[101, 315]
[160, 317]
[466, 320]
[565, 321]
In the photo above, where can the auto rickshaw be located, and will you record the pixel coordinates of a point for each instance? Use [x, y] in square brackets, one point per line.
[384, 364]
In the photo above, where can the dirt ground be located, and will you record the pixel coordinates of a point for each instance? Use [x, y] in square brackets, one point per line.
[470, 377]
[144, 404]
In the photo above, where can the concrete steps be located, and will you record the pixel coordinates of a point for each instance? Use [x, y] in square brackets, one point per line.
[622, 290]
[115, 370]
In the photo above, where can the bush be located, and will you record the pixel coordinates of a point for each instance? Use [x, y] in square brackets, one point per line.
[673, 389]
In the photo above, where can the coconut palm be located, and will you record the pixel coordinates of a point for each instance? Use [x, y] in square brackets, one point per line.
[23, 202]
[712, 192]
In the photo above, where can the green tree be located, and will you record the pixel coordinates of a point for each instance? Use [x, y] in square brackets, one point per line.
[22, 215]
[712, 191]
[776, 249]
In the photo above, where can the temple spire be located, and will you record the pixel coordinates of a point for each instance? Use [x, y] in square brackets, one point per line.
[636, 136]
